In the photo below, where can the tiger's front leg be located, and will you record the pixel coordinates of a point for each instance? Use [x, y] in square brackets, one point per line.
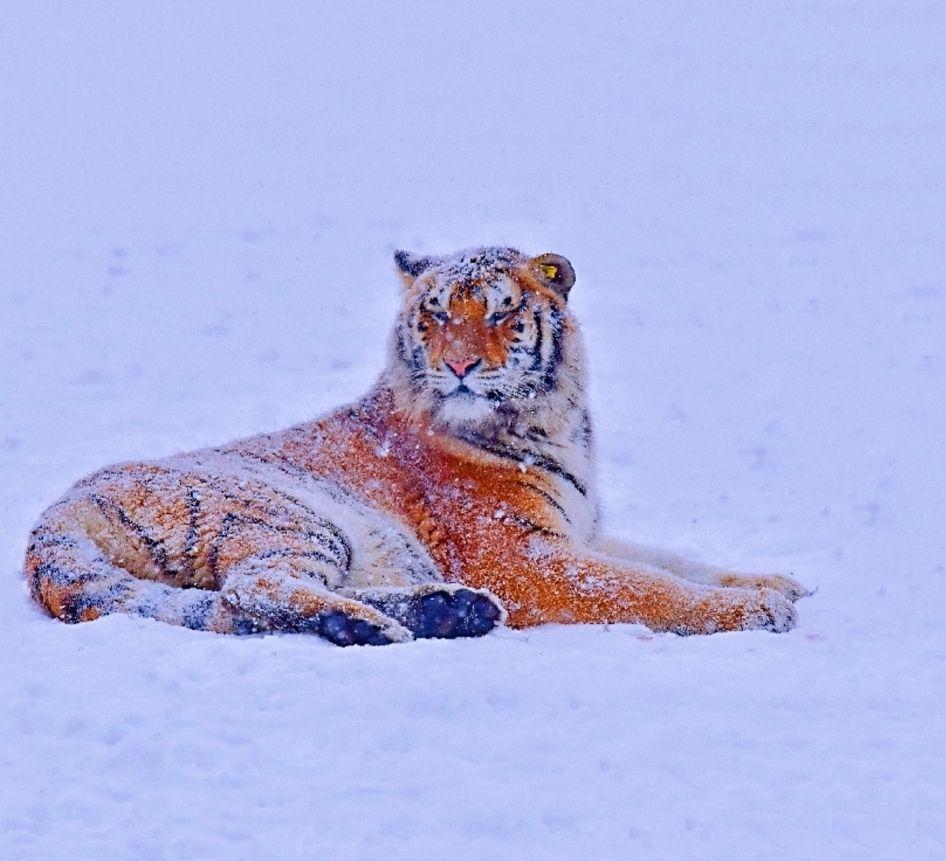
[551, 580]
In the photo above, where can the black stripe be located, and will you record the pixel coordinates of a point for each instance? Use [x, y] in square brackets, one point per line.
[43, 538]
[50, 573]
[292, 469]
[249, 520]
[243, 520]
[190, 543]
[289, 553]
[531, 527]
[343, 549]
[556, 468]
[277, 462]
[284, 465]
[539, 337]
[530, 458]
[585, 429]
[213, 557]
[156, 548]
[537, 434]
[551, 370]
[551, 500]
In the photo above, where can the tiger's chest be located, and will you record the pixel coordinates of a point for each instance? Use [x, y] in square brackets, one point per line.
[457, 500]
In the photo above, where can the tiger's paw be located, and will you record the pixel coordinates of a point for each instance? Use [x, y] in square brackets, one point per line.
[449, 611]
[739, 610]
[344, 630]
[771, 611]
[436, 610]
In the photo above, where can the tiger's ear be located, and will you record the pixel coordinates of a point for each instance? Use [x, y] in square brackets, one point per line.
[554, 271]
[410, 266]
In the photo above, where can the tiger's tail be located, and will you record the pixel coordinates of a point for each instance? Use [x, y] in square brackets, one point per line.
[75, 581]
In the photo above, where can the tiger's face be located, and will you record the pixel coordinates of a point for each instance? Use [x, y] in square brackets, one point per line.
[482, 332]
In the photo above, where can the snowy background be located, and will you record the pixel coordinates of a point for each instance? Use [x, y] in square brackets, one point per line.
[198, 204]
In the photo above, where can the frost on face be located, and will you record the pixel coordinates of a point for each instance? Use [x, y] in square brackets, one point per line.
[481, 345]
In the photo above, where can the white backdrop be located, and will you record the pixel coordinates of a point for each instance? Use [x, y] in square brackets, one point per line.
[198, 204]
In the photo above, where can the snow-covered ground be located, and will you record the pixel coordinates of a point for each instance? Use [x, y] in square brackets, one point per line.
[197, 209]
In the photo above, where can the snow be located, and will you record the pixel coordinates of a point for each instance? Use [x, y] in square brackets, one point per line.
[200, 203]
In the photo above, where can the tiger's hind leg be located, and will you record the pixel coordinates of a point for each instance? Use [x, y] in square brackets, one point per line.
[71, 576]
[436, 610]
[199, 549]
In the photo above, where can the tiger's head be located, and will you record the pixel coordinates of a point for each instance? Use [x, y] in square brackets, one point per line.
[485, 335]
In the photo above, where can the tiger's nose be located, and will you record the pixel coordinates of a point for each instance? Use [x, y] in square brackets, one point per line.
[461, 367]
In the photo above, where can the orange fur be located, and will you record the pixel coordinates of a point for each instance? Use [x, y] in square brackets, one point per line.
[477, 535]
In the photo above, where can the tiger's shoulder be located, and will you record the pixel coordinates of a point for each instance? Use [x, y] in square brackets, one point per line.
[433, 479]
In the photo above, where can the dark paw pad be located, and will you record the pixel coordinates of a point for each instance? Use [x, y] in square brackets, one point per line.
[462, 613]
[343, 630]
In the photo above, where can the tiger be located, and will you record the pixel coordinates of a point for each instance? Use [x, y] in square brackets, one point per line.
[456, 496]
